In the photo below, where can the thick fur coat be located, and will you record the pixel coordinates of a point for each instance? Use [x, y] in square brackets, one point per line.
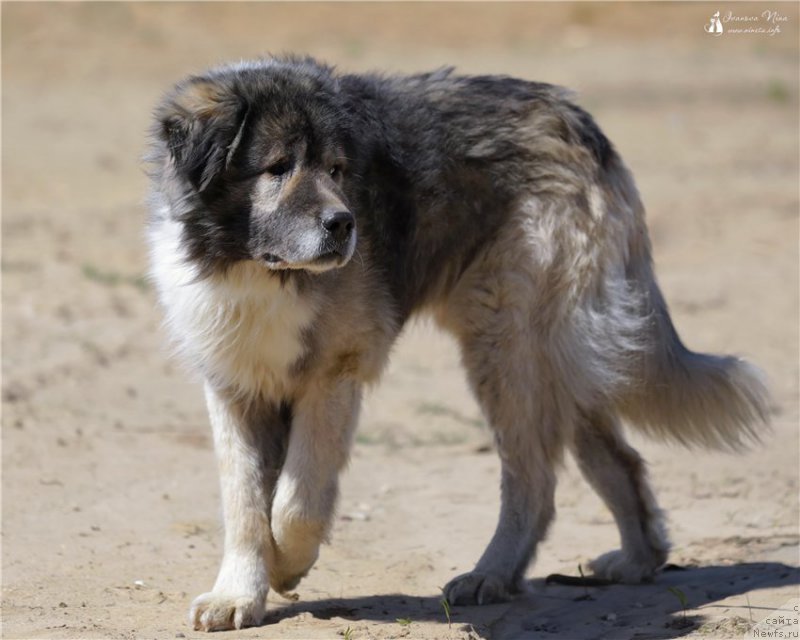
[299, 218]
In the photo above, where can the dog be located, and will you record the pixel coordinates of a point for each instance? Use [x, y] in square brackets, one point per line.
[300, 216]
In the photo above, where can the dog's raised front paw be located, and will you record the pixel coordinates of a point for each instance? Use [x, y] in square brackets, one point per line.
[620, 567]
[285, 584]
[476, 588]
[287, 571]
[222, 612]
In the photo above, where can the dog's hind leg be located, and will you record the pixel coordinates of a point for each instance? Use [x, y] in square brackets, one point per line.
[617, 473]
[526, 424]
[305, 495]
[530, 412]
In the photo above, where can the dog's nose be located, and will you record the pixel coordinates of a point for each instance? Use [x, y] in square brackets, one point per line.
[339, 224]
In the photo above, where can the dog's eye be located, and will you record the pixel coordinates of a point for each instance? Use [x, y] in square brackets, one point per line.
[280, 168]
[336, 171]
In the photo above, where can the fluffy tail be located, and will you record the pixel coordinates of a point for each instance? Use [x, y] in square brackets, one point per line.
[692, 398]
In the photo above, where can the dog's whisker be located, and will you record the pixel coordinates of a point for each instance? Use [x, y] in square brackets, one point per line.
[357, 253]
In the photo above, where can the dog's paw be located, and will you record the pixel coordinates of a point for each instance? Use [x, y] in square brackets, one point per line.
[618, 566]
[476, 588]
[287, 570]
[284, 584]
[291, 564]
[222, 612]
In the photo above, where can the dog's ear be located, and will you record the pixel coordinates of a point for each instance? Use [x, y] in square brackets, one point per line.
[201, 124]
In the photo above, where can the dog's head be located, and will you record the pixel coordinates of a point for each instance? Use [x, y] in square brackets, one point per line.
[255, 157]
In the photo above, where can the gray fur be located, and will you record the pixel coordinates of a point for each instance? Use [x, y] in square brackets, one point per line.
[301, 216]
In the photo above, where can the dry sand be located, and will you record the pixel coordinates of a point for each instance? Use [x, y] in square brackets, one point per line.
[110, 500]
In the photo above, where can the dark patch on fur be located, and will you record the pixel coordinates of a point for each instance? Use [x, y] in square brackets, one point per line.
[274, 428]
[593, 138]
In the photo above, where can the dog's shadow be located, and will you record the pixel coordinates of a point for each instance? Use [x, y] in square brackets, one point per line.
[654, 610]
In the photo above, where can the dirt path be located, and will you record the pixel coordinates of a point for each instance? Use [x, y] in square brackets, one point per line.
[110, 499]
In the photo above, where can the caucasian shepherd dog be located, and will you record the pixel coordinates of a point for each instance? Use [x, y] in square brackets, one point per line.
[301, 216]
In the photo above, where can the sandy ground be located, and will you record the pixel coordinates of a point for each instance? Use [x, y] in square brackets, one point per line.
[110, 500]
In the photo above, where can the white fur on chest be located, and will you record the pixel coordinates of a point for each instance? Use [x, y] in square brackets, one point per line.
[243, 331]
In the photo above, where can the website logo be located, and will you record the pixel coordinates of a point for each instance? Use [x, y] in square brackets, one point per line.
[715, 26]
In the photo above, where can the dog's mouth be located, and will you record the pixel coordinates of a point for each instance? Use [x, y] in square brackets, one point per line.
[331, 256]
[323, 262]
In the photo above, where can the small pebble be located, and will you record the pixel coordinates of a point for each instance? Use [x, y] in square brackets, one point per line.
[355, 515]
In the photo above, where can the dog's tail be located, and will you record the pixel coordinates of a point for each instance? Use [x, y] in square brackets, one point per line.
[684, 396]
[680, 395]
[693, 398]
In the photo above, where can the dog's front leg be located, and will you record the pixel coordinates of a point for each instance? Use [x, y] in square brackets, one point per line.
[305, 496]
[248, 467]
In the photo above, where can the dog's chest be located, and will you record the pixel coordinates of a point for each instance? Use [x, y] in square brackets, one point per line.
[252, 343]
[243, 331]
